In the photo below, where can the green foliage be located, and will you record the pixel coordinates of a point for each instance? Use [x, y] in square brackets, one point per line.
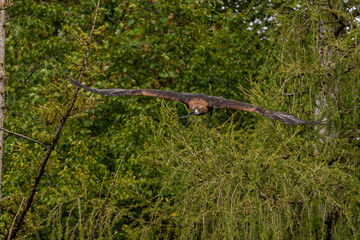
[262, 183]
[232, 175]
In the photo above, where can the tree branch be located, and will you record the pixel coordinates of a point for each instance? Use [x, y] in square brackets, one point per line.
[17, 213]
[29, 201]
[20, 220]
[338, 19]
[23, 136]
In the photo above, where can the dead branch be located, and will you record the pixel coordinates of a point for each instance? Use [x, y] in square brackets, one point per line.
[18, 222]
[25, 137]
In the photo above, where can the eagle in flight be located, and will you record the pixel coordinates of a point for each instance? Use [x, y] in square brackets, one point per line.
[199, 104]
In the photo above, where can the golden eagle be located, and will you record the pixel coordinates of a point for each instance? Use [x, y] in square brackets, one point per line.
[200, 104]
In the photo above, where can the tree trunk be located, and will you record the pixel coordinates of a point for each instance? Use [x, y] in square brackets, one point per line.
[321, 98]
[328, 89]
[2, 84]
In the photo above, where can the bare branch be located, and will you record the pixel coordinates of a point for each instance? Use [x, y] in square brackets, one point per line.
[29, 201]
[90, 38]
[17, 213]
[19, 221]
[23, 136]
[37, 66]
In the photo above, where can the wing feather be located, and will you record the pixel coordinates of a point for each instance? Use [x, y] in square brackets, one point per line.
[279, 116]
[175, 96]
[212, 102]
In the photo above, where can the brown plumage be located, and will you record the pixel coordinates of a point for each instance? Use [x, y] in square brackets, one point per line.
[200, 104]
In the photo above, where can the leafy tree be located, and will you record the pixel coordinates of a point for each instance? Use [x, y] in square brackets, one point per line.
[124, 168]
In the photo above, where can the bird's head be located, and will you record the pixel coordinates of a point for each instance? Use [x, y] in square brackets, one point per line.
[197, 110]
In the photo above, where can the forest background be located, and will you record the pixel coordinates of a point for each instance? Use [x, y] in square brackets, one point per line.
[97, 167]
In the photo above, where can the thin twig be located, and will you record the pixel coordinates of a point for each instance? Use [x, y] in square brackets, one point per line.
[79, 208]
[29, 76]
[90, 38]
[109, 191]
[17, 213]
[23, 136]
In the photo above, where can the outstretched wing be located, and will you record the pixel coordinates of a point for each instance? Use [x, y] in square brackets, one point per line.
[175, 96]
[279, 116]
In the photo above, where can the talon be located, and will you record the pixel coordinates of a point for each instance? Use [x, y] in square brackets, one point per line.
[184, 116]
